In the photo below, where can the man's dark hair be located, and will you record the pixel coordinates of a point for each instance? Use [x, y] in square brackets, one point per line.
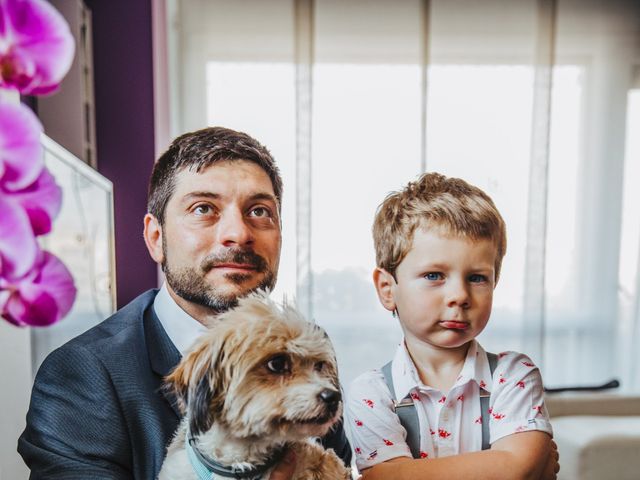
[199, 150]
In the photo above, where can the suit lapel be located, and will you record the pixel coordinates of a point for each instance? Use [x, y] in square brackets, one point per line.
[163, 354]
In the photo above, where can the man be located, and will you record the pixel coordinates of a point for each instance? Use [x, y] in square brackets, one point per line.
[213, 223]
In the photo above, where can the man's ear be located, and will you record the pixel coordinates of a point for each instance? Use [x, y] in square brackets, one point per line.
[384, 283]
[153, 237]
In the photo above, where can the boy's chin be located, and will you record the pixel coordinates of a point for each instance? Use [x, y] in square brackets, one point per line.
[438, 343]
[452, 343]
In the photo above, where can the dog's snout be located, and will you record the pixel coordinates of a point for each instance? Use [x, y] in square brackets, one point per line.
[330, 396]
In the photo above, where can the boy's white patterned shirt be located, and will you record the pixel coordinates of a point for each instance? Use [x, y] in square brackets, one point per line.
[450, 422]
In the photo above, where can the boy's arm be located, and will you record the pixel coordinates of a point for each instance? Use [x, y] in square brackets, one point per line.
[374, 429]
[521, 456]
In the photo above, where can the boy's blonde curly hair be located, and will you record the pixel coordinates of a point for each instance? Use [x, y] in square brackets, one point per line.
[435, 201]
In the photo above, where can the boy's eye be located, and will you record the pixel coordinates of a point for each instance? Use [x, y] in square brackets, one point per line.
[260, 212]
[477, 278]
[433, 276]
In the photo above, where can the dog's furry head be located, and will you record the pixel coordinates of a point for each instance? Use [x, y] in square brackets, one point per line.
[261, 370]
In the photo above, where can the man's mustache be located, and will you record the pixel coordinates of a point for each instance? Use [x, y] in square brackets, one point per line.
[235, 256]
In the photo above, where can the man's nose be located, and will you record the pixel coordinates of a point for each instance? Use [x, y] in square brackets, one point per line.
[458, 294]
[233, 229]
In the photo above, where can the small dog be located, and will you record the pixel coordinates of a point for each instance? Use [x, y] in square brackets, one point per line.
[262, 380]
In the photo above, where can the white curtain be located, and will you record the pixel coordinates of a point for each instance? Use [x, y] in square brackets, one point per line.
[535, 101]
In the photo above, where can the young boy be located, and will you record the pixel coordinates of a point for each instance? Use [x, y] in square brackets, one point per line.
[439, 246]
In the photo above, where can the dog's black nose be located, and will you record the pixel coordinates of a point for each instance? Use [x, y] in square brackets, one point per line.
[330, 396]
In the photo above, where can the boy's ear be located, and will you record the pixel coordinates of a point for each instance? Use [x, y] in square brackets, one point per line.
[153, 237]
[384, 283]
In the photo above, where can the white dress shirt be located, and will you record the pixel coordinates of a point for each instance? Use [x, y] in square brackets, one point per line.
[450, 422]
[181, 327]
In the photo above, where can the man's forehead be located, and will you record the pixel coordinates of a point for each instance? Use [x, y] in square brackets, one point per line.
[241, 176]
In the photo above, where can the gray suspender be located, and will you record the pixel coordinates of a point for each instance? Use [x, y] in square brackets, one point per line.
[406, 411]
[484, 403]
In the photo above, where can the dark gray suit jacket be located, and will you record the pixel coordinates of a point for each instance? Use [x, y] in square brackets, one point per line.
[97, 410]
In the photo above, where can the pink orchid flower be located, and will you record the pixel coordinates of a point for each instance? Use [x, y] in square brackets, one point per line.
[21, 157]
[40, 298]
[36, 46]
[18, 246]
[41, 201]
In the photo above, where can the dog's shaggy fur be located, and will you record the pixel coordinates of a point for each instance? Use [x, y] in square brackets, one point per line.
[262, 378]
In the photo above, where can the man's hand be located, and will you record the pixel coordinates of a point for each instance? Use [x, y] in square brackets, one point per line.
[286, 467]
[552, 467]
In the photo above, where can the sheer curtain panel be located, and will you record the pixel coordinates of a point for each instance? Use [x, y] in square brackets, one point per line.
[535, 101]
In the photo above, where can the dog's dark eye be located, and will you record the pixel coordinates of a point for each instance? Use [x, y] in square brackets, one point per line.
[319, 366]
[279, 364]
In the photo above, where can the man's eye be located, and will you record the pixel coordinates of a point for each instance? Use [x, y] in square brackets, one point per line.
[202, 210]
[260, 212]
[433, 276]
[477, 278]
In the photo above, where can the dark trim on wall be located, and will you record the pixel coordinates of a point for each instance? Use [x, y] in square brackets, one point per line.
[123, 69]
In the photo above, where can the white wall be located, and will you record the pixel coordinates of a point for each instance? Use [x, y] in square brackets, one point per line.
[15, 378]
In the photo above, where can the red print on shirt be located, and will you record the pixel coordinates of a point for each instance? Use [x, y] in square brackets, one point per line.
[498, 416]
[502, 380]
[367, 402]
[520, 384]
[538, 409]
[502, 354]
[482, 384]
[359, 423]
[358, 450]
[432, 432]
[442, 433]
[478, 420]
[424, 454]
[415, 396]
[387, 442]
[528, 364]
[443, 399]
[460, 398]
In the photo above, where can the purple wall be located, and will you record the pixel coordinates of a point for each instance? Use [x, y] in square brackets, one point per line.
[122, 46]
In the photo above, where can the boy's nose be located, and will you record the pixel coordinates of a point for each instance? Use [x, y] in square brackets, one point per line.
[458, 295]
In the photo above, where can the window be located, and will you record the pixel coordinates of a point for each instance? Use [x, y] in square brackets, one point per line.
[465, 89]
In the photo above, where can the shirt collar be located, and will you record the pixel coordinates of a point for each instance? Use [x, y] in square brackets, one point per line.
[406, 378]
[181, 327]
[476, 367]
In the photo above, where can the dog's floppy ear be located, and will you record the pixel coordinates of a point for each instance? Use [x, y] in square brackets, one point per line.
[199, 407]
[196, 382]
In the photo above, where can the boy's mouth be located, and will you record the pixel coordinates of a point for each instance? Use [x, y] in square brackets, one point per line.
[454, 324]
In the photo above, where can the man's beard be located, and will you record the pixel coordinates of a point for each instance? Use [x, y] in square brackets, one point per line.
[190, 283]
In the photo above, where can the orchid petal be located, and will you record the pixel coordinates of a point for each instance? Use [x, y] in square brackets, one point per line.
[4, 295]
[42, 297]
[40, 49]
[41, 200]
[18, 246]
[21, 156]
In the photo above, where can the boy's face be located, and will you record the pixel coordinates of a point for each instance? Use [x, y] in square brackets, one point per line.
[444, 289]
